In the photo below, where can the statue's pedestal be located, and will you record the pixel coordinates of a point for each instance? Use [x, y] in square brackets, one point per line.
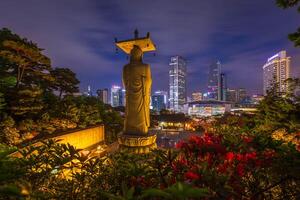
[137, 143]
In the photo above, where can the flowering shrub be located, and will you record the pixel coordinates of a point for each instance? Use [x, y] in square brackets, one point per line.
[210, 166]
[286, 138]
[207, 161]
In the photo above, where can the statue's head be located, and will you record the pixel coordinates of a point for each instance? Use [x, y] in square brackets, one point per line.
[136, 54]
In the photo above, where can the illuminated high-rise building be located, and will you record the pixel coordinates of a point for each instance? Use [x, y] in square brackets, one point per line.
[177, 83]
[231, 95]
[276, 71]
[214, 81]
[88, 92]
[116, 96]
[159, 100]
[123, 97]
[223, 87]
[241, 95]
[103, 95]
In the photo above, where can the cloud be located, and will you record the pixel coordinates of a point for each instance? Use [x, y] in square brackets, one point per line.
[80, 34]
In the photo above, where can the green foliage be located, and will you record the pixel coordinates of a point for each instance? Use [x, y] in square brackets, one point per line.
[27, 98]
[9, 134]
[2, 102]
[7, 81]
[65, 81]
[25, 57]
[178, 191]
[28, 101]
[59, 171]
[287, 3]
[277, 111]
[10, 171]
[294, 37]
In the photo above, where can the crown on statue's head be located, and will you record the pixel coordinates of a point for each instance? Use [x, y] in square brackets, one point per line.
[145, 43]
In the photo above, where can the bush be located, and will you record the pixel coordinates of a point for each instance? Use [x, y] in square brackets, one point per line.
[9, 134]
[211, 166]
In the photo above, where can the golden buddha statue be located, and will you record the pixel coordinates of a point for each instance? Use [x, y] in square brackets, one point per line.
[137, 82]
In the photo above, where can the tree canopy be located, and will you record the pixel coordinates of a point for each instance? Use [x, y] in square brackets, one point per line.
[65, 81]
[294, 37]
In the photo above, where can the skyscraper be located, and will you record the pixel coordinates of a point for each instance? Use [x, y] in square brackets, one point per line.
[223, 87]
[103, 95]
[214, 81]
[88, 92]
[231, 95]
[116, 96]
[276, 70]
[177, 83]
[159, 100]
[241, 95]
[123, 98]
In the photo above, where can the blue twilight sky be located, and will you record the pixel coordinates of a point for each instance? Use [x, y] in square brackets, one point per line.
[79, 34]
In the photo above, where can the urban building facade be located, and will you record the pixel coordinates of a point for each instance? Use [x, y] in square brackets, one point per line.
[88, 92]
[159, 100]
[207, 108]
[214, 81]
[256, 98]
[123, 97]
[103, 95]
[223, 87]
[241, 95]
[116, 96]
[196, 96]
[231, 95]
[177, 83]
[276, 71]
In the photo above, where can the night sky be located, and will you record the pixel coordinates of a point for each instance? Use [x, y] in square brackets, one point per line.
[79, 34]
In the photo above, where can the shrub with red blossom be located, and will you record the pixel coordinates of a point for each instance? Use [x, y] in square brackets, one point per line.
[228, 168]
[210, 166]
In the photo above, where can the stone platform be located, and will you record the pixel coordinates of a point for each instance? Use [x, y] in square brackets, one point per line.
[137, 143]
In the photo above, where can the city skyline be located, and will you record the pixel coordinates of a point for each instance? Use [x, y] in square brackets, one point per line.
[81, 36]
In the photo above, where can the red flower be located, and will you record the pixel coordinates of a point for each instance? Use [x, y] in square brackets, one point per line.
[239, 157]
[218, 148]
[191, 176]
[247, 139]
[208, 139]
[222, 168]
[251, 156]
[269, 153]
[229, 156]
[182, 161]
[258, 163]
[180, 145]
[195, 139]
[240, 169]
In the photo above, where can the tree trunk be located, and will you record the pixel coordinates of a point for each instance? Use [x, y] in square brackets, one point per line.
[18, 78]
[60, 93]
[20, 75]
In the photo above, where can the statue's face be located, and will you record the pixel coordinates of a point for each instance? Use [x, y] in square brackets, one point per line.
[136, 54]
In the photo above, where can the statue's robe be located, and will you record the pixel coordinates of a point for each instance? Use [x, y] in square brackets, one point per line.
[137, 82]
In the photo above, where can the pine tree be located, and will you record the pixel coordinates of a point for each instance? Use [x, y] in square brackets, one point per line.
[294, 37]
[65, 81]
